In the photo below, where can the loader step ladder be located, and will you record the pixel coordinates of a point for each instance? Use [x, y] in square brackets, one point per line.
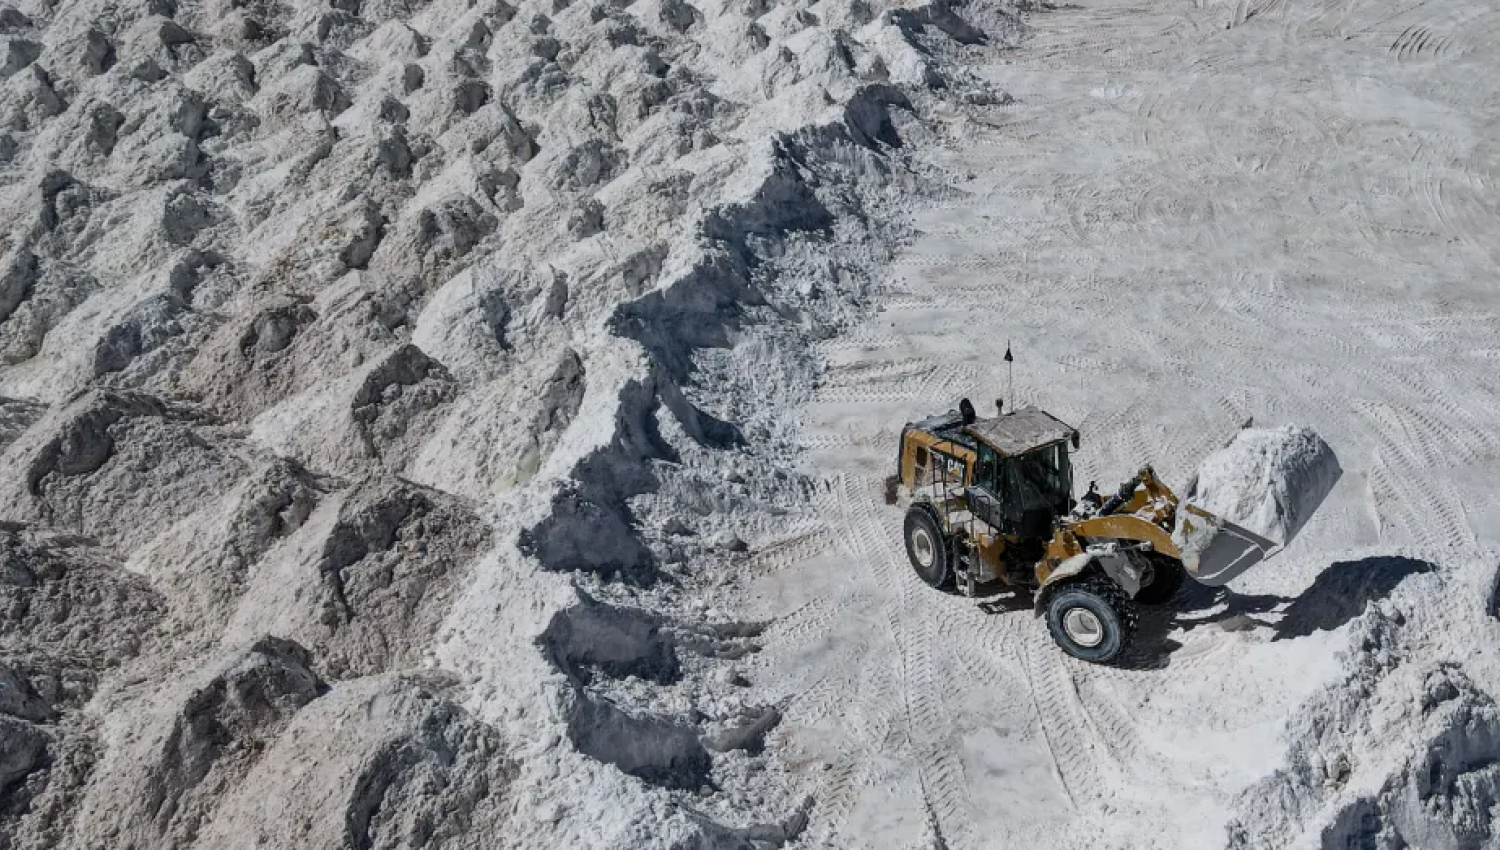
[941, 484]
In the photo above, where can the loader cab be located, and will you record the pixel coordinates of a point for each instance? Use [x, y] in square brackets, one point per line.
[1012, 471]
[1023, 476]
[1022, 494]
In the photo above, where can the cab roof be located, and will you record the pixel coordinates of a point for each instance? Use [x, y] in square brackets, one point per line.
[1019, 430]
[1009, 433]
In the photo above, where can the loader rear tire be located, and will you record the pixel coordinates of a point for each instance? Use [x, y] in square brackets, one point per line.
[1168, 574]
[1091, 619]
[927, 548]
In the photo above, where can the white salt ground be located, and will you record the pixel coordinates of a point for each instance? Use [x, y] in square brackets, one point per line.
[1185, 252]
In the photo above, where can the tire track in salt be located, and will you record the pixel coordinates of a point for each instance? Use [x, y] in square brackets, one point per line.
[941, 770]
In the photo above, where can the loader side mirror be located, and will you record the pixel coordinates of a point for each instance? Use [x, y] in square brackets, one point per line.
[1074, 440]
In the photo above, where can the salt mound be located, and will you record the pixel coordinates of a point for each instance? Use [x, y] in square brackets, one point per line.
[1403, 748]
[1267, 480]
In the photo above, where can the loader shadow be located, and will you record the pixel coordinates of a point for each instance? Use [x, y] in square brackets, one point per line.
[1339, 594]
[1343, 591]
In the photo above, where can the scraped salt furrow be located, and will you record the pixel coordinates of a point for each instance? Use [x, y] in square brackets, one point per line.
[402, 412]
[360, 359]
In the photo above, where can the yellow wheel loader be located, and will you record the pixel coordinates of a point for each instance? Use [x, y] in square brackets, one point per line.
[991, 500]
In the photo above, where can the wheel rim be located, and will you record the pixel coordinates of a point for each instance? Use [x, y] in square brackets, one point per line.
[922, 548]
[1083, 627]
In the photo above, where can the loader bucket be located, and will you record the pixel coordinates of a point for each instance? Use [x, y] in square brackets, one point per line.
[1215, 550]
[1271, 481]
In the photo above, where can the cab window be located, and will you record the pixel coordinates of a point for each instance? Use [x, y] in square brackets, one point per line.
[987, 470]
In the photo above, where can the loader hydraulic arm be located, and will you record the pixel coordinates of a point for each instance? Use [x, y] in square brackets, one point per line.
[1144, 495]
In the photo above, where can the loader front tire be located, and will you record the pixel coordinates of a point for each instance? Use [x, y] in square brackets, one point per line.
[1167, 575]
[1091, 619]
[927, 548]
